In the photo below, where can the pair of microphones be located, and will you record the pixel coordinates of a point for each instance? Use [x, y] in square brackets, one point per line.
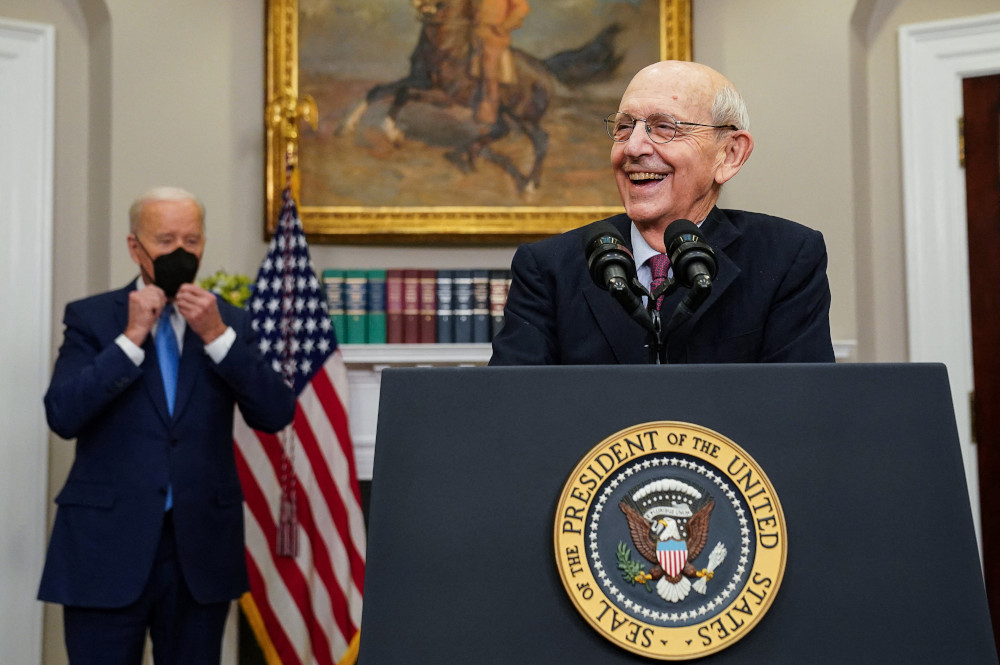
[613, 268]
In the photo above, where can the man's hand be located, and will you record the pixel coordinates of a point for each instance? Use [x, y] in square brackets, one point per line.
[201, 311]
[144, 307]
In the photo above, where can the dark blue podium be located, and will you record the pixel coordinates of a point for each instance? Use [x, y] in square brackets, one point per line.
[882, 565]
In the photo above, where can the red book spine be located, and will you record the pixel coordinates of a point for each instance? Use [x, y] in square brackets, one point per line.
[428, 306]
[394, 306]
[411, 306]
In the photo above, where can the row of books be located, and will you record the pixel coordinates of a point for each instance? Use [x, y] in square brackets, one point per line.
[416, 306]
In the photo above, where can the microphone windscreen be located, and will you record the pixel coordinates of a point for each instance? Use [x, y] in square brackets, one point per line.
[598, 230]
[676, 232]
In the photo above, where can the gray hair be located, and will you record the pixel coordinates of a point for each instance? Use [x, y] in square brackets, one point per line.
[161, 194]
[729, 108]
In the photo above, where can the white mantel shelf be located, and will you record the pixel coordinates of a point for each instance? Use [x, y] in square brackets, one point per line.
[365, 363]
[415, 355]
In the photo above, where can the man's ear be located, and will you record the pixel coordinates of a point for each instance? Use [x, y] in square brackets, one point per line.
[133, 247]
[738, 147]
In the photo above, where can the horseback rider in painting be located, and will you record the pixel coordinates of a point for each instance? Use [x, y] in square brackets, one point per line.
[459, 61]
[492, 63]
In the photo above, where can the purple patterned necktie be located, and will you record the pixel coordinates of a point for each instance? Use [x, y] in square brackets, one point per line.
[658, 266]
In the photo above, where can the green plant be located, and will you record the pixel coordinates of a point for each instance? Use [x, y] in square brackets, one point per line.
[234, 289]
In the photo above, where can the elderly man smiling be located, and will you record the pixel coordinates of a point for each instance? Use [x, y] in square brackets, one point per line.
[680, 133]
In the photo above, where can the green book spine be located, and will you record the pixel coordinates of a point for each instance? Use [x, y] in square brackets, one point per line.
[376, 307]
[356, 302]
[333, 285]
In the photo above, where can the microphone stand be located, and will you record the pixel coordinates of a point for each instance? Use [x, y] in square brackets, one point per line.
[697, 294]
[652, 320]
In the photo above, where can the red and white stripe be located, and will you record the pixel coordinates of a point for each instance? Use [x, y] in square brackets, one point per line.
[672, 561]
[309, 606]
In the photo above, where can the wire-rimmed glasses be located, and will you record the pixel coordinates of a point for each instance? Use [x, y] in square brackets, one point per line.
[661, 127]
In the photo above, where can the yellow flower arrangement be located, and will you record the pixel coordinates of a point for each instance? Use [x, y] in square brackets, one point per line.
[234, 289]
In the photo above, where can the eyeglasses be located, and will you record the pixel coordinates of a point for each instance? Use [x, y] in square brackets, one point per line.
[661, 127]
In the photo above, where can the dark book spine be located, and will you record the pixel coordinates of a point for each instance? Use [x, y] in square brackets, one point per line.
[462, 316]
[411, 306]
[333, 286]
[394, 306]
[428, 306]
[445, 325]
[376, 307]
[356, 297]
[480, 306]
[498, 298]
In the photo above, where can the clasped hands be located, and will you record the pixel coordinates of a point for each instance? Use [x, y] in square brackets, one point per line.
[198, 307]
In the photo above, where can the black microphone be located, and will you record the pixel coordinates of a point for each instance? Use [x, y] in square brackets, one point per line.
[608, 258]
[612, 267]
[691, 257]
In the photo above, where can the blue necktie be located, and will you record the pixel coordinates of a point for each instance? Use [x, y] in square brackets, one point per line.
[169, 356]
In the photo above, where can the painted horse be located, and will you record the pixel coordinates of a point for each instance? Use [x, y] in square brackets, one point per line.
[440, 74]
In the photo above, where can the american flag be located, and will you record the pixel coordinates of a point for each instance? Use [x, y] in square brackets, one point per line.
[301, 485]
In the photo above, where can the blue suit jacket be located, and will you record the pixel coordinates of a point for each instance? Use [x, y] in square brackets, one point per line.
[770, 301]
[110, 512]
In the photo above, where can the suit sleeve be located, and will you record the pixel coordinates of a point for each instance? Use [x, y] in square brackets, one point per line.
[528, 335]
[90, 372]
[798, 325]
[267, 404]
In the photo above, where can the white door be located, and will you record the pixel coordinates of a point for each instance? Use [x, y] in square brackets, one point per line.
[934, 58]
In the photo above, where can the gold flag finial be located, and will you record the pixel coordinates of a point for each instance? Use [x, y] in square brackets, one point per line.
[284, 114]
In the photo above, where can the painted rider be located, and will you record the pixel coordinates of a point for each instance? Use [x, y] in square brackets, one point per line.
[492, 62]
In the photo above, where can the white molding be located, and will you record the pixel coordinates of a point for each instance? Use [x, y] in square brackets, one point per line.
[415, 355]
[27, 88]
[845, 349]
[418, 355]
[934, 58]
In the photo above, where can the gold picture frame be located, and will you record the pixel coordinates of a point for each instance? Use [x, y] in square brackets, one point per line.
[297, 131]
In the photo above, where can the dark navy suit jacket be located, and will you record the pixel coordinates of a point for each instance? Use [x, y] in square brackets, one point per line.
[770, 301]
[110, 512]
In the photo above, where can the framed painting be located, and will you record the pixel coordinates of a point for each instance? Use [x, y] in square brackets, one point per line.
[384, 106]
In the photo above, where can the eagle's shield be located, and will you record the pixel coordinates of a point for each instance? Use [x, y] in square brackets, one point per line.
[672, 555]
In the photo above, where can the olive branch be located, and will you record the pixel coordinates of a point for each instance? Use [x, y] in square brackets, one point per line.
[632, 571]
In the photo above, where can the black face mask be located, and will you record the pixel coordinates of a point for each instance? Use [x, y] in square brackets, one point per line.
[173, 269]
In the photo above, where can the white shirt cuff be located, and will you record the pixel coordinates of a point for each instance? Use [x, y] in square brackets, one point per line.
[135, 353]
[220, 346]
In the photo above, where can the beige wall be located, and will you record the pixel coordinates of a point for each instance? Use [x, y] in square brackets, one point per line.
[790, 60]
[881, 290]
[157, 92]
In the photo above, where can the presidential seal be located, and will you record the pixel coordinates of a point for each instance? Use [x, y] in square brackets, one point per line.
[670, 540]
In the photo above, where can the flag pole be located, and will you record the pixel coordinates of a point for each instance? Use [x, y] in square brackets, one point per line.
[287, 537]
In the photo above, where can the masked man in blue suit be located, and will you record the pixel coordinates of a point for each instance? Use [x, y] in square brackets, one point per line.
[148, 535]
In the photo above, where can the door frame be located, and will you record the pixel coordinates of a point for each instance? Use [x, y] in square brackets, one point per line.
[27, 69]
[933, 60]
